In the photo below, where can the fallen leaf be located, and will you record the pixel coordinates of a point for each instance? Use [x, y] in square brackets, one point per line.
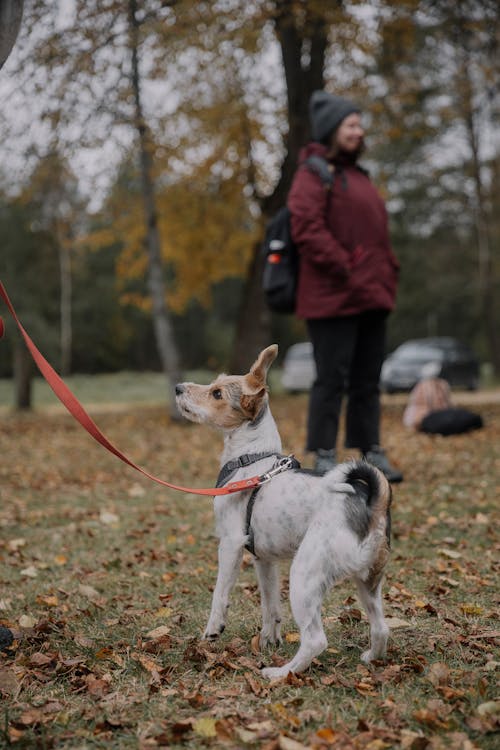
[246, 736]
[49, 601]
[256, 687]
[450, 553]
[255, 645]
[27, 621]
[205, 727]
[145, 661]
[413, 740]
[158, 632]
[287, 743]
[14, 544]
[471, 609]
[97, 687]
[439, 674]
[164, 612]
[30, 572]
[430, 718]
[395, 622]
[108, 518]
[326, 735]
[89, 592]
[490, 708]
[136, 491]
[280, 712]
[39, 659]
[8, 682]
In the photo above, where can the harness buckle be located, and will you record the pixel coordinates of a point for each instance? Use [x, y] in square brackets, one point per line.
[282, 464]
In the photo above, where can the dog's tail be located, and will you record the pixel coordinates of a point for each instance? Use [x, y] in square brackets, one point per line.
[368, 497]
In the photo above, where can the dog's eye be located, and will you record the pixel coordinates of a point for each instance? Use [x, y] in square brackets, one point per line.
[217, 394]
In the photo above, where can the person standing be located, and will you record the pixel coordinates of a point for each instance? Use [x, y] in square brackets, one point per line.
[347, 283]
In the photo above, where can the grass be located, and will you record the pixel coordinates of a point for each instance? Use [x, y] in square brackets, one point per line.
[104, 389]
[95, 559]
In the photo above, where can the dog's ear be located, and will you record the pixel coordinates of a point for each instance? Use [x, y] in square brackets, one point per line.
[251, 403]
[260, 367]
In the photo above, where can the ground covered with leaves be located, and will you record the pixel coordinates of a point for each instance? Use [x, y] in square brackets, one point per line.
[108, 577]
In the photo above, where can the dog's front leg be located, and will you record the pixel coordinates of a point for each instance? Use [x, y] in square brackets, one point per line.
[269, 585]
[230, 554]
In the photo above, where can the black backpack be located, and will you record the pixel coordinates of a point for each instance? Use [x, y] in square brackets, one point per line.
[281, 268]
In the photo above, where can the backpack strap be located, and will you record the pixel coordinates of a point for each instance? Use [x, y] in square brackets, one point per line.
[321, 167]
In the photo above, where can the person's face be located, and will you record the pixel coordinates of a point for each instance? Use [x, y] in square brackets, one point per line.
[349, 135]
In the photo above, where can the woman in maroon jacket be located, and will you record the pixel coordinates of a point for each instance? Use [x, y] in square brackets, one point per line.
[347, 283]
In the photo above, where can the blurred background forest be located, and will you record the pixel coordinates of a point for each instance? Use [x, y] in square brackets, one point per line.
[144, 144]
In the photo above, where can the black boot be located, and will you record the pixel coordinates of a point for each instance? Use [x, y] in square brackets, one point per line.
[325, 460]
[6, 638]
[376, 456]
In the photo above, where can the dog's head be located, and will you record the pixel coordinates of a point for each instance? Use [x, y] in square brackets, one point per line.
[230, 400]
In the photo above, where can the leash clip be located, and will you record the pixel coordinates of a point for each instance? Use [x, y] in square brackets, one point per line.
[282, 464]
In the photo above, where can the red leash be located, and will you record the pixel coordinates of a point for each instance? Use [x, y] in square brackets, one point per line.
[75, 408]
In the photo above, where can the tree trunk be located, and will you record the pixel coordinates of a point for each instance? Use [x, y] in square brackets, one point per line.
[254, 319]
[164, 334]
[11, 12]
[23, 376]
[65, 304]
[481, 221]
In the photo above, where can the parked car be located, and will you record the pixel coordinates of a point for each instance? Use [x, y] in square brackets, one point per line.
[440, 357]
[299, 369]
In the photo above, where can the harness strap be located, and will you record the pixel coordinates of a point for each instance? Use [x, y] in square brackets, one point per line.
[238, 463]
[250, 545]
[293, 463]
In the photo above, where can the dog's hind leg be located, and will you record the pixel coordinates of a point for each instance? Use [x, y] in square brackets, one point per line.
[269, 585]
[311, 576]
[230, 554]
[370, 595]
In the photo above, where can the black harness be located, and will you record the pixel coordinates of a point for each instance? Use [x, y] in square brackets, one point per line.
[283, 463]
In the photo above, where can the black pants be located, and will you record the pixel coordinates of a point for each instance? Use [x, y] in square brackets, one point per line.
[348, 353]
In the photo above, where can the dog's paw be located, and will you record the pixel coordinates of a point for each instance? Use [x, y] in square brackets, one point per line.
[269, 639]
[367, 657]
[211, 634]
[275, 673]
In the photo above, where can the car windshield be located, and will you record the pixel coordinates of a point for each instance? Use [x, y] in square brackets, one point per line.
[418, 353]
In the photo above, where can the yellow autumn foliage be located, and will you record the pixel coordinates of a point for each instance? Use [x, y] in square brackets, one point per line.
[207, 234]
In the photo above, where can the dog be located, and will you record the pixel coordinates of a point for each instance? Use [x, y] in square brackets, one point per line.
[333, 526]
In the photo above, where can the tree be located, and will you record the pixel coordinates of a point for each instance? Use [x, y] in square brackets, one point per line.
[163, 326]
[104, 42]
[439, 69]
[29, 265]
[54, 193]
[11, 12]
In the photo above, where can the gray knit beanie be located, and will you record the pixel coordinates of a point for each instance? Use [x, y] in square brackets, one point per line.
[326, 112]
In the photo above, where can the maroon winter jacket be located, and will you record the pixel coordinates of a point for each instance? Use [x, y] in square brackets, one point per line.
[346, 262]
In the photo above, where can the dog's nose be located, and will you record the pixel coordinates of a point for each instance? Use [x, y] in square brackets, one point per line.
[179, 388]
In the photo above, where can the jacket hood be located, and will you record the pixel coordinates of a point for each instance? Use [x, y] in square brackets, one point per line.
[319, 149]
[312, 149]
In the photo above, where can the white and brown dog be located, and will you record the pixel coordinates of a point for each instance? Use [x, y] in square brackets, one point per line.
[333, 526]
